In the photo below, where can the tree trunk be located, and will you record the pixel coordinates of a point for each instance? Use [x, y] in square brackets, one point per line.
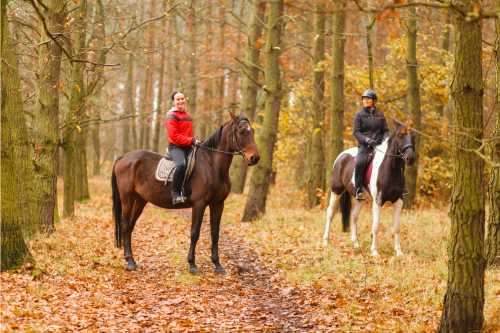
[12, 106]
[444, 46]
[238, 171]
[142, 108]
[46, 124]
[13, 248]
[192, 26]
[464, 299]
[370, 49]
[316, 158]
[97, 150]
[221, 84]
[129, 106]
[256, 201]
[160, 102]
[493, 239]
[414, 101]
[337, 87]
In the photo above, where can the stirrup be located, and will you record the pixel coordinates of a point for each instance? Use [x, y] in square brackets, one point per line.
[179, 199]
[405, 191]
[359, 195]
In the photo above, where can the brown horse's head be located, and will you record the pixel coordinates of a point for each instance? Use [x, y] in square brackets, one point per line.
[405, 140]
[244, 138]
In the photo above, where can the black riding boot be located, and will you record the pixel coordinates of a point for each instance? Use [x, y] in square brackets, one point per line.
[358, 177]
[177, 187]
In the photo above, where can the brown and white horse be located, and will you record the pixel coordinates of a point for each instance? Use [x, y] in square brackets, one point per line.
[387, 183]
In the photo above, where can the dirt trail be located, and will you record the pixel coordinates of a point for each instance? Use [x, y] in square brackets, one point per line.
[251, 297]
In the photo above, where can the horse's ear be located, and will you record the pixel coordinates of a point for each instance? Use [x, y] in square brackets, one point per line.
[396, 123]
[235, 117]
[242, 114]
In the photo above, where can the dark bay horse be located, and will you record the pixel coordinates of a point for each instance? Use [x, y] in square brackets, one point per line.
[386, 183]
[134, 185]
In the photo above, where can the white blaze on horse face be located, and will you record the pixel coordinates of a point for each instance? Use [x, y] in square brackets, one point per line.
[249, 128]
[396, 213]
[330, 213]
[377, 162]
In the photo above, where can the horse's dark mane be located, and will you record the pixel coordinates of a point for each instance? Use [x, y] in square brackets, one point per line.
[214, 139]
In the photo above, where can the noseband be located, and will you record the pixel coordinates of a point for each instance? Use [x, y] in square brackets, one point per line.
[402, 150]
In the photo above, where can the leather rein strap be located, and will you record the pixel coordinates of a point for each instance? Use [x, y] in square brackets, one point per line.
[239, 152]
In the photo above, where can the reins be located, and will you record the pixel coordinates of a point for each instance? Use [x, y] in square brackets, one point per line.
[400, 151]
[233, 135]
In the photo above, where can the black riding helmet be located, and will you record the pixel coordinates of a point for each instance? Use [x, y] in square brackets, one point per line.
[370, 94]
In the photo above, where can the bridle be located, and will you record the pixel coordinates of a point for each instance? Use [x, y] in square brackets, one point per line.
[400, 151]
[233, 135]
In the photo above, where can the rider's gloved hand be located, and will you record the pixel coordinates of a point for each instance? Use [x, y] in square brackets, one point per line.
[372, 143]
[197, 142]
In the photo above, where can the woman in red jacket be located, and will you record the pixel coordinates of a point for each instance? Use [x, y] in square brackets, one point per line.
[180, 136]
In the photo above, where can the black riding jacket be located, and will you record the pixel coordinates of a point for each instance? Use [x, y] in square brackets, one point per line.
[369, 124]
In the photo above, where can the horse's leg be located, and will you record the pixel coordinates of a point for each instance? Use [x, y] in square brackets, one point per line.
[354, 220]
[396, 212]
[330, 213]
[215, 217]
[132, 209]
[376, 226]
[197, 219]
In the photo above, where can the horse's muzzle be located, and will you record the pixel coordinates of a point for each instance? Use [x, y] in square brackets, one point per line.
[253, 160]
[410, 160]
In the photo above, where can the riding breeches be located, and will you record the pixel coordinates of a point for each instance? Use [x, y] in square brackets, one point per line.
[359, 164]
[179, 156]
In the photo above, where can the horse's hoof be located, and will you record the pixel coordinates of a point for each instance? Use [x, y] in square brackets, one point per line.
[399, 253]
[325, 244]
[375, 253]
[194, 270]
[356, 245]
[131, 267]
[220, 270]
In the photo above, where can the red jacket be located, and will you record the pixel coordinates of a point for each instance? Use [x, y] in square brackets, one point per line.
[180, 128]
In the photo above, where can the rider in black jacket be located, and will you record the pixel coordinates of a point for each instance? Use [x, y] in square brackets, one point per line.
[370, 128]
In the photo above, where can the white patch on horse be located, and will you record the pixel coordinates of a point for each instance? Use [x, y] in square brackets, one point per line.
[377, 162]
[249, 128]
[351, 151]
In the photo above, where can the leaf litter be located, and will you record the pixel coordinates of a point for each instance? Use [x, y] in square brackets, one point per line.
[80, 283]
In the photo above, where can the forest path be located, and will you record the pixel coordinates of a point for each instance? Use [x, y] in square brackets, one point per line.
[251, 297]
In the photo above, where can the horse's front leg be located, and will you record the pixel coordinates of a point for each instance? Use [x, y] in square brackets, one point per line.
[215, 217]
[396, 212]
[330, 213]
[354, 221]
[376, 226]
[197, 219]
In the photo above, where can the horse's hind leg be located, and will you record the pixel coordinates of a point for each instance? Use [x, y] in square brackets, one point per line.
[354, 220]
[330, 213]
[376, 226]
[132, 209]
[215, 216]
[396, 212]
[197, 219]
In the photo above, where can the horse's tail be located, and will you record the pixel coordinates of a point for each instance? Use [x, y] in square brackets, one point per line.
[117, 207]
[345, 208]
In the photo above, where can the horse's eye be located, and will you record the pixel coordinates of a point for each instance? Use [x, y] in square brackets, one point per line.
[241, 131]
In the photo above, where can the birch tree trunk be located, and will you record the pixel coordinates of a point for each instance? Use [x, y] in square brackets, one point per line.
[316, 158]
[464, 299]
[192, 29]
[46, 129]
[337, 87]
[129, 106]
[12, 108]
[256, 201]
[160, 102]
[414, 101]
[492, 248]
[238, 171]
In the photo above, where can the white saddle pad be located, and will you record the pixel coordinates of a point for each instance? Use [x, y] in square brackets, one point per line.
[163, 170]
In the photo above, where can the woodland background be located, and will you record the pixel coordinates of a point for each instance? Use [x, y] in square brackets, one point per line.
[95, 78]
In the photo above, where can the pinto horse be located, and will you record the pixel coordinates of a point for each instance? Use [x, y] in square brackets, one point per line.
[134, 185]
[387, 183]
